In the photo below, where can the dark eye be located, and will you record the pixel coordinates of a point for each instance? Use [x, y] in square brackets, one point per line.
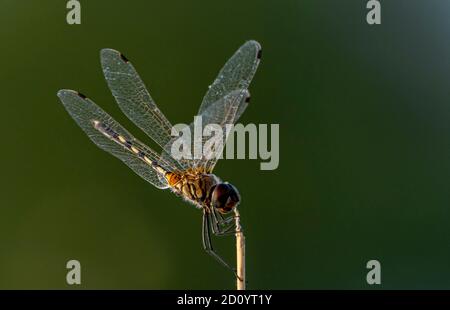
[225, 197]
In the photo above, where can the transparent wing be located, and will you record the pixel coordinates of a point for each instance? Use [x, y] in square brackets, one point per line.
[219, 114]
[223, 113]
[236, 74]
[110, 136]
[133, 97]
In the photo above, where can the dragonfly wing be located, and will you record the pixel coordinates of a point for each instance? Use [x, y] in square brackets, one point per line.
[236, 74]
[220, 114]
[133, 98]
[110, 136]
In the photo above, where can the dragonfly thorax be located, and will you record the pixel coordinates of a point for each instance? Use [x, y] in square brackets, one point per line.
[204, 190]
[195, 187]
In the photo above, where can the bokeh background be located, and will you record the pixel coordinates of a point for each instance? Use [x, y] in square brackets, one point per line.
[364, 114]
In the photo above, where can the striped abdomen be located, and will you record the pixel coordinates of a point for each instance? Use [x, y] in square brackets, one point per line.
[111, 134]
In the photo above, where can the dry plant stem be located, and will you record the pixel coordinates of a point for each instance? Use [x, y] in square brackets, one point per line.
[240, 253]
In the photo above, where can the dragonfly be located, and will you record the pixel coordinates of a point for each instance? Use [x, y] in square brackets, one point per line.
[190, 178]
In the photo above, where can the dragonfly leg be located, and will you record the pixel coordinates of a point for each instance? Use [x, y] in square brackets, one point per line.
[217, 225]
[225, 221]
[229, 231]
[207, 245]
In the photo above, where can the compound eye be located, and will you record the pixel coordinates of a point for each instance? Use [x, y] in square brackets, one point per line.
[225, 197]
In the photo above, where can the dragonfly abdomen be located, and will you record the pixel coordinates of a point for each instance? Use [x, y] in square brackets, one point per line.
[119, 139]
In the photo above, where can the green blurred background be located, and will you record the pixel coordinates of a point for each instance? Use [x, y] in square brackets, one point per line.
[364, 114]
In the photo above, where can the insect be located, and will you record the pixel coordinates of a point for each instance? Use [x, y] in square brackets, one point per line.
[189, 178]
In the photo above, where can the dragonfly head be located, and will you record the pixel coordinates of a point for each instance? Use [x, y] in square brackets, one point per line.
[225, 197]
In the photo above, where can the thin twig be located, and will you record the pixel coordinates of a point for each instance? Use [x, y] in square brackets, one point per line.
[240, 253]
